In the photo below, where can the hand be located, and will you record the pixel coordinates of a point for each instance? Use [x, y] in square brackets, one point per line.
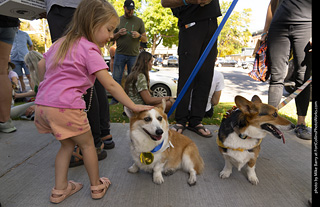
[139, 108]
[135, 34]
[30, 110]
[122, 31]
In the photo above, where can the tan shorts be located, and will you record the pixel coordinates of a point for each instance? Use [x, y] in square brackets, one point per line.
[62, 123]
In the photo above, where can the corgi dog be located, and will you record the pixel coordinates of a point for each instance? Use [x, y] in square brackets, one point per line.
[241, 133]
[156, 149]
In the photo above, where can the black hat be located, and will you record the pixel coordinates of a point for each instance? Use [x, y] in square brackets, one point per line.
[129, 4]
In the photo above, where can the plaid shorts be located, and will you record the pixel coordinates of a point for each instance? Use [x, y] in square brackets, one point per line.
[62, 123]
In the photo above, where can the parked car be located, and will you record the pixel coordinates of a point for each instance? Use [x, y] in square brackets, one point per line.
[161, 83]
[171, 60]
[226, 63]
[248, 64]
[157, 61]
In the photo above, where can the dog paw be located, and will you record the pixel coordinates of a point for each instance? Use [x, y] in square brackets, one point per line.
[158, 179]
[168, 172]
[133, 169]
[192, 180]
[253, 180]
[225, 174]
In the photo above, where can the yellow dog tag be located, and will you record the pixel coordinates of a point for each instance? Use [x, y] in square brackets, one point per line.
[146, 158]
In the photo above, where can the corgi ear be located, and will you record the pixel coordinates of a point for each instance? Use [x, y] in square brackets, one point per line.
[163, 104]
[256, 99]
[244, 105]
[128, 112]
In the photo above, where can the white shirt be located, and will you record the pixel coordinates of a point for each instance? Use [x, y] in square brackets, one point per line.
[216, 85]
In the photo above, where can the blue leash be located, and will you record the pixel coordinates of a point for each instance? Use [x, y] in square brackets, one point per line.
[203, 57]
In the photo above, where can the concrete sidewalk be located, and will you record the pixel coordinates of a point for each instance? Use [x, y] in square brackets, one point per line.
[27, 174]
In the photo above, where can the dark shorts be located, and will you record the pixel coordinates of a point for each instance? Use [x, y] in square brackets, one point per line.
[7, 34]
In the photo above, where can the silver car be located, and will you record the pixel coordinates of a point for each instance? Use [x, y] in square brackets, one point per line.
[162, 83]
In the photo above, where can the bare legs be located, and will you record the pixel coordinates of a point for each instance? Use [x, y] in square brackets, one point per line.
[5, 85]
[85, 142]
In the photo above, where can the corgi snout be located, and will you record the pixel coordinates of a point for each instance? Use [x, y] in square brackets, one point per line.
[159, 131]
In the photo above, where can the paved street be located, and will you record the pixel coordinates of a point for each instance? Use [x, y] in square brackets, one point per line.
[237, 82]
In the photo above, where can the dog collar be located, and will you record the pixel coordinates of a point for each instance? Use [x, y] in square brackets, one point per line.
[220, 144]
[148, 157]
[157, 148]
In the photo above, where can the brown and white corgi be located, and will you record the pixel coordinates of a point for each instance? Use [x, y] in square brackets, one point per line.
[155, 148]
[241, 133]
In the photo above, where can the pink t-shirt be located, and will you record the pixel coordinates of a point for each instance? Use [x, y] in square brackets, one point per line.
[63, 86]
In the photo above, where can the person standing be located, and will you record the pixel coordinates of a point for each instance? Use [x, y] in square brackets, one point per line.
[197, 24]
[128, 36]
[19, 50]
[290, 27]
[59, 15]
[8, 28]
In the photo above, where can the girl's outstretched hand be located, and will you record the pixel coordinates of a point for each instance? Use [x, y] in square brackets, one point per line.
[139, 108]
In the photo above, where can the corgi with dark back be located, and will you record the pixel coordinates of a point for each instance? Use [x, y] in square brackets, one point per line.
[241, 133]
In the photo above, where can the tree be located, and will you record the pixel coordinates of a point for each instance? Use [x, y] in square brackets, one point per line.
[39, 39]
[235, 33]
[160, 24]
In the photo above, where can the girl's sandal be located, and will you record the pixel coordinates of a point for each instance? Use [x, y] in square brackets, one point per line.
[61, 195]
[102, 188]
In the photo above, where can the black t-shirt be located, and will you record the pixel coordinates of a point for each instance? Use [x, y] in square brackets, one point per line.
[293, 11]
[195, 13]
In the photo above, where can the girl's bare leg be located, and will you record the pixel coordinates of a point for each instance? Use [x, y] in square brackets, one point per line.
[62, 163]
[90, 158]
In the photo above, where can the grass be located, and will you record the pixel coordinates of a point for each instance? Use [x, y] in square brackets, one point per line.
[289, 112]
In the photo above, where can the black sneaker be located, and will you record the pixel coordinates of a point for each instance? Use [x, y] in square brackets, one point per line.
[303, 132]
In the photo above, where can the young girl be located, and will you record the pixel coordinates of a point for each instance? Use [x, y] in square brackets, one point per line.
[71, 66]
[137, 85]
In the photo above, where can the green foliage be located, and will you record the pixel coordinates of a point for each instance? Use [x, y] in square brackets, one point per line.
[235, 33]
[160, 24]
[38, 39]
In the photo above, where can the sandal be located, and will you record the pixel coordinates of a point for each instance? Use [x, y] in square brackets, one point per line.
[108, 143]
[77, 159]
[176, 128]
[103, 187]
[197, 129]
[72, 188]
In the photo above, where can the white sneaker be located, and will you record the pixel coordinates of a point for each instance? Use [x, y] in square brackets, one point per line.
[7, 127]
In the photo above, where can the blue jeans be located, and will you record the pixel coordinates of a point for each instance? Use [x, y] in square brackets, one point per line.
[120, 61]
[18, 69]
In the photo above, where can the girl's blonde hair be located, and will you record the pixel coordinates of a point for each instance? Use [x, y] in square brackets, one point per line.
[31, 59]
[89, 16]
[140, 66]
